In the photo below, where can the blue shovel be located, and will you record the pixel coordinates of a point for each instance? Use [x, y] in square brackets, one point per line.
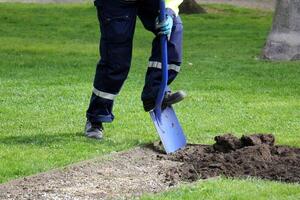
[165, 121]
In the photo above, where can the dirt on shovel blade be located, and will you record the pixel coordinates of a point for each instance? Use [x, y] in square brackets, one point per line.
[253, 155]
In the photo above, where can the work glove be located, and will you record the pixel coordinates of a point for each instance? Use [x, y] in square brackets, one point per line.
[165, 27]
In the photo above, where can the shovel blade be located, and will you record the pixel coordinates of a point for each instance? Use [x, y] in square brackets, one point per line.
[169, 130]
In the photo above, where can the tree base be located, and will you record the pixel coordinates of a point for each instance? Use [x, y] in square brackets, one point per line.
[282, 46]
[191, 7]
[284, 40]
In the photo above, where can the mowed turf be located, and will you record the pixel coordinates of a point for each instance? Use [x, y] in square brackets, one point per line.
[48, 55]
[231, 189]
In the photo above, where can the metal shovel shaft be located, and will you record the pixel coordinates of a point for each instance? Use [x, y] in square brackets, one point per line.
[164, 62]
[165, 121]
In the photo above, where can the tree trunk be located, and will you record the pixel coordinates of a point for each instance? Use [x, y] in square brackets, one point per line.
[191, 7]
[284, 40]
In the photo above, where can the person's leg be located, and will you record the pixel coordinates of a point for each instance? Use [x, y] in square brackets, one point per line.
[148, 13]
[117, 23]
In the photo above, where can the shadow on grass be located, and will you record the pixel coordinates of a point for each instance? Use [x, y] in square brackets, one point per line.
[46, 140]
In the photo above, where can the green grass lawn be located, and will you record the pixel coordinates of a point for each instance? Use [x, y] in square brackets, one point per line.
[48, 55]
[231, 189]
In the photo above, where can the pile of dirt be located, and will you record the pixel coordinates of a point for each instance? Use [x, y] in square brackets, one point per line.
[253, 155]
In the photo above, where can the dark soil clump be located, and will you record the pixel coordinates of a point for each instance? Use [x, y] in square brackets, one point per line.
[253, 155]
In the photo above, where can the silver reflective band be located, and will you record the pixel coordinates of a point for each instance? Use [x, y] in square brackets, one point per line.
[155, 64]
[174, 67]
[104, 95]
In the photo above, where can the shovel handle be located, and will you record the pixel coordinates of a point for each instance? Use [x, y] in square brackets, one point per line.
[164, 62]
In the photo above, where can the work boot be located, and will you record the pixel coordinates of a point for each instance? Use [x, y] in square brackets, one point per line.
[169, 99]
[94, 131]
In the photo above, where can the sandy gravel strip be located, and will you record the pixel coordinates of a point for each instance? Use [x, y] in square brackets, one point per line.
[116, 176]
[258, 4]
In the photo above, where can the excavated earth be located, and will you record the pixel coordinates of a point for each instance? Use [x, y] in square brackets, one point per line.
[129, 174]
[253, 155]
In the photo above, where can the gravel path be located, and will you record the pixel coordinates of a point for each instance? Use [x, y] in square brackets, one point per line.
[121, 175]
[261, 4]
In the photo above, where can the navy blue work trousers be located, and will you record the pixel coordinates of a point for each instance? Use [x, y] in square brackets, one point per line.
[117, 21]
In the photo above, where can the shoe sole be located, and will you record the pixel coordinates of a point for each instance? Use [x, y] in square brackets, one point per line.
[181, 95]
[94, 136]
[179, 98]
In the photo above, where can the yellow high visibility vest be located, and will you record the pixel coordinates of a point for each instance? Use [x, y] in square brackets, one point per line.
[174, 5]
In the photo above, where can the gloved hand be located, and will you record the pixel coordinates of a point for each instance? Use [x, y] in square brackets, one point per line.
[165, 27]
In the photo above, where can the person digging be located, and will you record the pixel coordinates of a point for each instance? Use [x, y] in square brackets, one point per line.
[117, 19]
